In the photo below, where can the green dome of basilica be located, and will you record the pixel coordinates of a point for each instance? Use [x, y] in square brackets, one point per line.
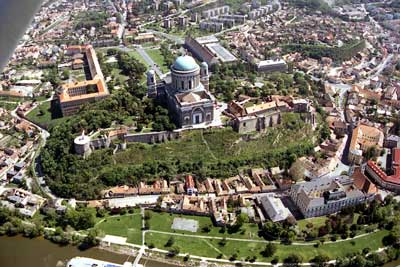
[185, 63]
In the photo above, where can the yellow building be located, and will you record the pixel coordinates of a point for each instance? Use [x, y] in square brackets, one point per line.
[364, 137]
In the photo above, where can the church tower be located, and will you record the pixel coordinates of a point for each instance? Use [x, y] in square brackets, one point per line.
[151, 84]
[204, 75]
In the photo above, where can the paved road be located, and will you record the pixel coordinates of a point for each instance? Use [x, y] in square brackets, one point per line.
[44, 135]
[149, 61]
[173, 38]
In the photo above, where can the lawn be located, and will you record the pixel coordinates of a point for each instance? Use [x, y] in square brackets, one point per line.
[316, 222]
[129, 226]
[158, 58]
[138, 57]
[78, 75]
[14, 98]
[194, 246]
[8, 106]
[44, 115]
[212, 247]
[162, 221]
[120, 78]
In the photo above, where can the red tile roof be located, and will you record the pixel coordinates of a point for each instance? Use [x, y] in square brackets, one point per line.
[395, 178]
[189, 182]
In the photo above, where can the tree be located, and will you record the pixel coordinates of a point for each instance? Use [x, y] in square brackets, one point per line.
[173, 251]
[242, 219]
[222, 242]
[372, 152]
[147, 215]
[275, 260]
[170, 242]
[101, 212]
[378, 259]
[293, 259]
[393, 238]
[91, 239]
[52, 77]
[271, 230]
[297, 170]
[206, 228]
[321, 260]
[233, 257]
[65, 74]
[358, 261]
[42, 110]
[269, 250]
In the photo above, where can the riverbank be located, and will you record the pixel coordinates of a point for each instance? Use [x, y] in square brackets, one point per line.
[122, 250]
[18, 251]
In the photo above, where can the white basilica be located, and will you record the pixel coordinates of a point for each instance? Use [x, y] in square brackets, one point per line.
[185, 91]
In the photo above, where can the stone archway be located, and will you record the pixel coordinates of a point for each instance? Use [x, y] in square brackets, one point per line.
[197, 116]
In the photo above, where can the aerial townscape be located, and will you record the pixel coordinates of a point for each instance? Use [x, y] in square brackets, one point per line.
[204, 133]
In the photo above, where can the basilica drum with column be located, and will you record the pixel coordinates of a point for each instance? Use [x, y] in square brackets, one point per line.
[185, 91]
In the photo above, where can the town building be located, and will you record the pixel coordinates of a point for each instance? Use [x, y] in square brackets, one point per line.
[182, 21]
[215, 12]
[271, 66]
[167, 24]
[189, 185]
[260, 11]
[145, 37]
[212, 26]
[76, 94]
[209, 50]
[273, 207]
[327, 196]
[392, 141]
[260, 116]
[26, 203]
[389, 181]
[363, 138]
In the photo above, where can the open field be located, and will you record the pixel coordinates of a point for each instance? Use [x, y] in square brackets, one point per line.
[247, 244]
[138, 57]
[316, 222]
[14, 99]
[8, 106]
[162, 221]
[244, 249]
[158, 58]
[118, 76]
[43, 115]
[129, 226]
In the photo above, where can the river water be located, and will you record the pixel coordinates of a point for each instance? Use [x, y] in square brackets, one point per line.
[24, 252]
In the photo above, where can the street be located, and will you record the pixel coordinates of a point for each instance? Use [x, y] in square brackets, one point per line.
[150, 61]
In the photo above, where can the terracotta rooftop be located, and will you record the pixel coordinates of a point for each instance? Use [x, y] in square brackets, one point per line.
[96, 73]
[362, 182]
[101, 90]
[362, 135]
[395, 178]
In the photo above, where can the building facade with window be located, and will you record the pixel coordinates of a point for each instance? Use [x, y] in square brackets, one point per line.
[185, 91]
[327, 195]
